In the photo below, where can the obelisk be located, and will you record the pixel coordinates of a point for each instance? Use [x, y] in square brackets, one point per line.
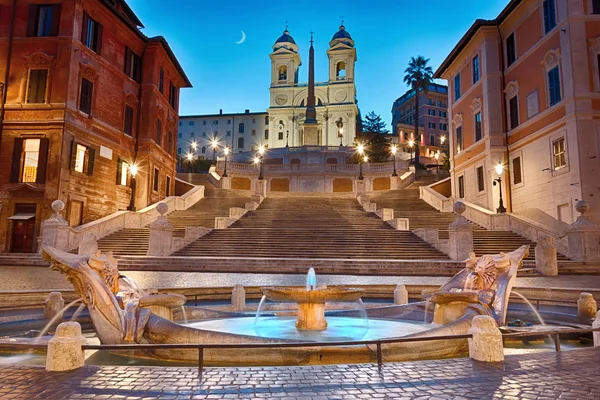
[311, 128]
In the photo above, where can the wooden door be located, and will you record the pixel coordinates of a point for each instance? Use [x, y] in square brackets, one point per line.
[23, 236]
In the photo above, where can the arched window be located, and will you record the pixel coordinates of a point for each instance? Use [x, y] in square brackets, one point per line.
[241, 128]
[203, 149]
[179, 150]
[340, 70]
[241, 143]
[319, 103]
[283, 73]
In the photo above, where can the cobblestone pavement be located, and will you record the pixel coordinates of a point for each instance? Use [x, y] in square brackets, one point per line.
[566, 375]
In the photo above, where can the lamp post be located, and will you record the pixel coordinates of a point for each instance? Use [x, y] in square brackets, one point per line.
[437, 157]
[190, 158]
[261, 151]
[394, 150]
[214, 144]
[287, 136]
[361, 151]
[226, 151]
[133, 170]
[499, 169]
[411, 143]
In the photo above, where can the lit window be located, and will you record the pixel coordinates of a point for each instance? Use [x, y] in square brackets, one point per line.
[123, 168]
[80, 158]
[558, 150]
[31, 158]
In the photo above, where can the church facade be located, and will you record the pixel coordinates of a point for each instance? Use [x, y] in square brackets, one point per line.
[283, 122]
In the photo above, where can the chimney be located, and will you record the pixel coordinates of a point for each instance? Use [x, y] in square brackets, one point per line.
[247, 111]
[220, 111]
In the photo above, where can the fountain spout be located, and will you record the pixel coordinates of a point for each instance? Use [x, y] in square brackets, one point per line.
[311, 279]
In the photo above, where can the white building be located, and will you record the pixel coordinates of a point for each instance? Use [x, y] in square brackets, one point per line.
[282, 123]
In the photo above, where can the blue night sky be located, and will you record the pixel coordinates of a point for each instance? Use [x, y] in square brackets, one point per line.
[236, 77]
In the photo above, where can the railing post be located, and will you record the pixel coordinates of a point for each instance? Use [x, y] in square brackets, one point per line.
[200, 362]
[379, 357]
[557, 342]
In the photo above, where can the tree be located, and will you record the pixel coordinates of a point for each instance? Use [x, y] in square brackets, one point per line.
[418, 76]
[375, 137]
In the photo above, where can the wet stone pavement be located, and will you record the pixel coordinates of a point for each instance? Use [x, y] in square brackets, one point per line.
[567, 375]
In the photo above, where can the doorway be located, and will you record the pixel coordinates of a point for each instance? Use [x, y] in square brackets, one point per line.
[23, 228]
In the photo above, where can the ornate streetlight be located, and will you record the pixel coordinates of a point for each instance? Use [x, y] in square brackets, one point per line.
[261, 151]
[394, 150]
[411, 144]
[226, 151]
[499, 169]
[215, 145]
[190, 158]
[361, 151]
[133, 170]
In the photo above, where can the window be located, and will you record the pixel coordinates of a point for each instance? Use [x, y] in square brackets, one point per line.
[533, 104]
[511, 52]
[253, 132]
[480, 181]
[228, 133]
[203, 123]
[91, 34]
[191, 123]
[282, 73]
[133, 65]
[457, 87]
[267, 120]
[432, 125]
[85, 97]
[280, 135]
[161, 81]
[30, 157]
[595, 6]
[180, 135]
[513, 106]
[173, 95]
[228, 122]
[516, 167]
[554, 95]
[203, 149]
[266, 134]
[155, 180]
[180, 123]
[431, 140]
[122, 172]
[216, 122]
[444, 114]
[253, 120]
[158, 132]
[431, 112]
[340, 70]
[444, 127]
[441, 104]
[459, 139]
[558, 151]
[168, 187]
[476, 69]
[241, 143]
[179, 150]
[82, 158]
[461, 187]
[478, 130]
[241, 128]
[549, 15]
[44, 20]
[170, 142]
[128, 125]
[36, 88]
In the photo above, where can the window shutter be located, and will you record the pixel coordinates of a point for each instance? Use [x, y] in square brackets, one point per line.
[98, 39]
[127, 61]
[55, 19]
[138, 70]
[73, 155]
[91, 160]
[119, 171]
[32, 20]
[42, 161]
[84, 27]
[16, 160]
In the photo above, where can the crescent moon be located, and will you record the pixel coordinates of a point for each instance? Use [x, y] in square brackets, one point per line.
[242, 39]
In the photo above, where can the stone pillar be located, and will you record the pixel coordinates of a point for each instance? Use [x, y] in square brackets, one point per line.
[587, 308]
[486, 344]
[261, 187]
[460, 233]
[361, 187]
[400, 294]
[596, 325]
[545, 257]
[583, 236]
[161, 234]
[238, 298]
[225, 182]
[55, 230]
[54, 305]
[89, 245]
[395, 183]
[64, 349]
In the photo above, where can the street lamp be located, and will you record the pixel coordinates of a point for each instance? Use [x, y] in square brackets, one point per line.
[394, 150]
[361, 150]
[214, 144]
[190, 158]
[437, 158]
[287, 136]
[133, 170]
[261, 151]
[442, 139]
[226, 151]
[499, 169]
[194, 146]
[411, 143]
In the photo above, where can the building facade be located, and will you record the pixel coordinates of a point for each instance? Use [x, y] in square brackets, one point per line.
[87, 97]
[433, 119]
[282, 124]
[524, 93]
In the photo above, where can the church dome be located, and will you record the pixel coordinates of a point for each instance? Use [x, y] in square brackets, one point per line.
[285, 38]
[342, 36]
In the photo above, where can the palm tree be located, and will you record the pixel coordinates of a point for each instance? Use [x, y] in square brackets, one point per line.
[418, 76]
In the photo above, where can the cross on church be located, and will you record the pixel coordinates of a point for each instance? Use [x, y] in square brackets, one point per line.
[342, 20]
[286, 24]
[311, 38]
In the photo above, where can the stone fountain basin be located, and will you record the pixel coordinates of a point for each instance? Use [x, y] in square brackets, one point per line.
[301, 295]
[450, 297]
[169, 300]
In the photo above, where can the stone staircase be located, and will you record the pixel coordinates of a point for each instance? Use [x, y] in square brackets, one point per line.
[407, 204]
[311, 226]
[216, 203]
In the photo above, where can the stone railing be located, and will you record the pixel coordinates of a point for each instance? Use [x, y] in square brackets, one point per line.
[282, 169]
[57, 233]
[435, 199]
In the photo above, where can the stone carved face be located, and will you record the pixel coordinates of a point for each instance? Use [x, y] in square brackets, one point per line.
[484, 271]
[106, 267]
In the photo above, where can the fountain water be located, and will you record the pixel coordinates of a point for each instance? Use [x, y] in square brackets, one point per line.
[77, 312]
[184, 314]
[56, 318]
[311, 279]
[526, 300]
